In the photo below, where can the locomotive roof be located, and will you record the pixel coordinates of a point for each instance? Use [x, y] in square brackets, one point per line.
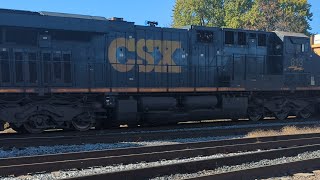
[55, 14]
[60, 21]
[46, 13]
[282, 34]
[77, 22]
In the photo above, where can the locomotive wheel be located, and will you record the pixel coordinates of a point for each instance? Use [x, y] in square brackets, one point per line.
[255, 114]
[83, 122]
[283, 114]
[305, 113]
[34, 123]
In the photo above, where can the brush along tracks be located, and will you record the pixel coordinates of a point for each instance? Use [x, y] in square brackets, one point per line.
[138, 135]
[253, 149]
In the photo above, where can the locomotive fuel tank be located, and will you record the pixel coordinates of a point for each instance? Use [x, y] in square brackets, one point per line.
[200, 102]
[200, 107]
[158, 110]
[192, 108]
[235, 107]
[127, 111]
[158, 103]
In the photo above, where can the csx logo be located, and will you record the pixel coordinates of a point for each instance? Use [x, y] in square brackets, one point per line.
[152, 55]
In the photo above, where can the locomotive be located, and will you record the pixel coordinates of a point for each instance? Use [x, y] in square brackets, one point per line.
[71, 71]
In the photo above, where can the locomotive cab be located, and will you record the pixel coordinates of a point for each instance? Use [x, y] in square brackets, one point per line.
[296, 53]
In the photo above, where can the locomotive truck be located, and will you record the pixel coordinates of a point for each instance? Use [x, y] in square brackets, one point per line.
[71, 71]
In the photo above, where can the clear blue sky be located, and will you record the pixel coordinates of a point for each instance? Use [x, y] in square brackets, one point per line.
[132, 10]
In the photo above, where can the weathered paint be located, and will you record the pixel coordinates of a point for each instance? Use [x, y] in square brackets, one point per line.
[17, 90]
[296, 64]
[145, 51]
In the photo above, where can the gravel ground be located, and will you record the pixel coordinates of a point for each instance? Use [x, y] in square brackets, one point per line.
[303, 156]
[121, 167]
[31, 151]
[43, 150]
[97, 170]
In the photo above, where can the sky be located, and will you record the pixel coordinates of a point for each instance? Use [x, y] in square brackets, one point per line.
[138, 11]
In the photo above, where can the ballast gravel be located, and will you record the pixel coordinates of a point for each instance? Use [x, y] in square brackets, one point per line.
[224, 169]
[120, 167]
[97, 170]
[43, 150]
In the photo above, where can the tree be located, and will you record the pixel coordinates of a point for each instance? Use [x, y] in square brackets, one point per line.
[282, 15]
[198, 12]
[237, 13]
[267, 15]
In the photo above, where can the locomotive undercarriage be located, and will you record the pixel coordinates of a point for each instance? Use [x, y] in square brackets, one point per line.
[34, 114]
[280, 107]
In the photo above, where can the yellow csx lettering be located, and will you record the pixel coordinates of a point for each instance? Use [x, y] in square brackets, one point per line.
[144, 50]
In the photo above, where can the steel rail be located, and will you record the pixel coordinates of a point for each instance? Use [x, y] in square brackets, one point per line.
[20, 142]
[196, 166]
[24, 165]
[134, 130]
[149, 149]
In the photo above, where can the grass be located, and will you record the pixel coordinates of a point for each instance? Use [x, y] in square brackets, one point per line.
[288, 130]
[7, 129]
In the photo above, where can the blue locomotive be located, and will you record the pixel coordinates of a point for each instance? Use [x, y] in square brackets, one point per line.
[65, 71]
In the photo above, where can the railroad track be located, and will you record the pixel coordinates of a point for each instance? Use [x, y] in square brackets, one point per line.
[137, 135]
[252, 150]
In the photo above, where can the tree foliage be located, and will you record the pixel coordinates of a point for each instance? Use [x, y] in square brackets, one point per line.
[268, 15]
[236, 13]
[198, 12]
[283, 15]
